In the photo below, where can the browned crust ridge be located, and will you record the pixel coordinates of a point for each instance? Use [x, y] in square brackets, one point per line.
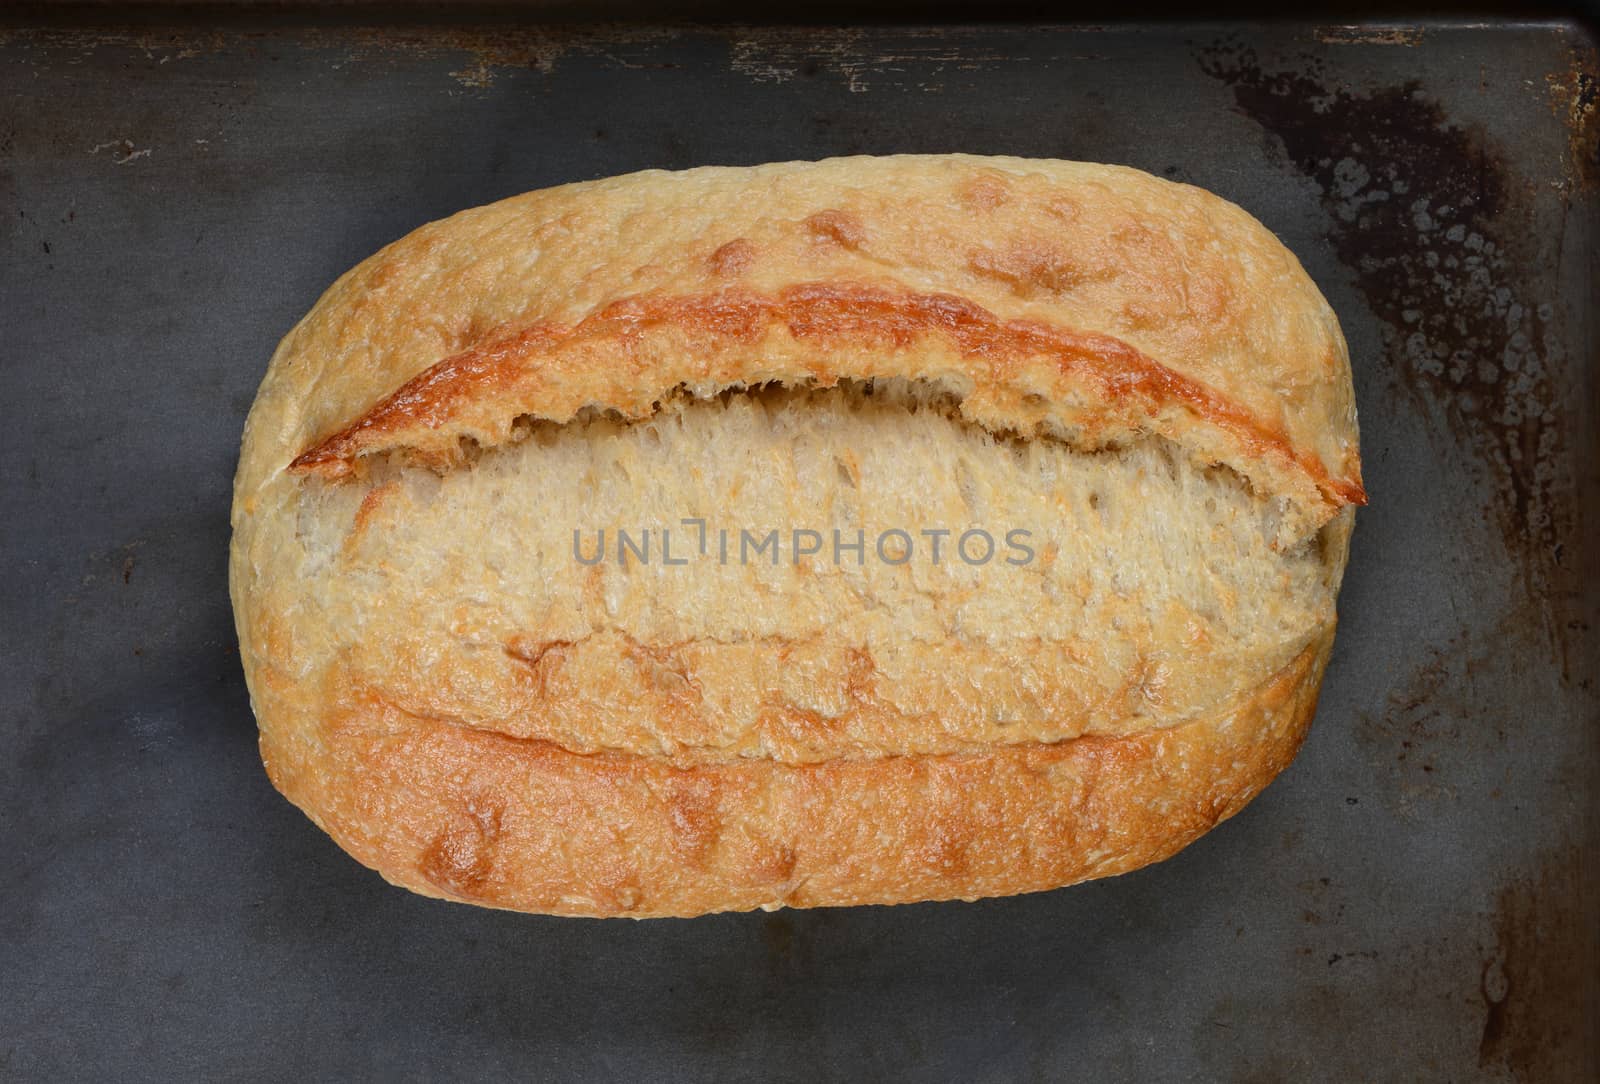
[482, 818]
[824, 319]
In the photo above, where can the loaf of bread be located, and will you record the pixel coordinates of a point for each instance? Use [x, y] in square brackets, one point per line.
[861, 531]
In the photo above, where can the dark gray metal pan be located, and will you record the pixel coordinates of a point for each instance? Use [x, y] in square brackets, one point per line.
[1414, 899]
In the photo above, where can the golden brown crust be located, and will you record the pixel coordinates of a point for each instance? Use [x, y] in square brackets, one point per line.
[1169, 271]
[485, 819]
[829, 331]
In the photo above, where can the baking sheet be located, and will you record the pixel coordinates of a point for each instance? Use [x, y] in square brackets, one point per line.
[1414, 899]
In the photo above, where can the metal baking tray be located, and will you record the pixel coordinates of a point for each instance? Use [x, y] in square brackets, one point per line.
[1415, 899]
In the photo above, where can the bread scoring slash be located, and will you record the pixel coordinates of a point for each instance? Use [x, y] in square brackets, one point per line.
[1132, 377]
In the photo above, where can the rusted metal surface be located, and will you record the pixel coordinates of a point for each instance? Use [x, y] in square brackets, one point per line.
[1414, 899]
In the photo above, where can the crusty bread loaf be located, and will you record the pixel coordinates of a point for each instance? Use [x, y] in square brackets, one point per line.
[470, 668]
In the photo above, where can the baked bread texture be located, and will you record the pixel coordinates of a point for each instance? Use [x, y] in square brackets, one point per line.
[613, 549]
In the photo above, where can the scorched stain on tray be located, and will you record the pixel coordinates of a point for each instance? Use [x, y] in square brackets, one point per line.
[1433, 221]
